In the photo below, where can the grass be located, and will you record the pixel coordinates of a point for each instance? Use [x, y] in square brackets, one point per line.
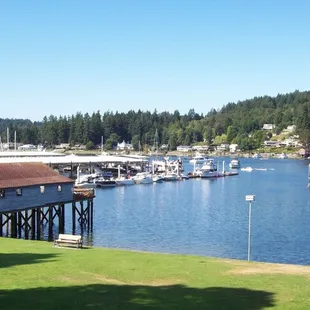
[35, 275]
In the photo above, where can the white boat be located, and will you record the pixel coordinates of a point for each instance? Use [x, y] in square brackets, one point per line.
[102, 183]
[84, 181]
[122, 181]
[209, 169]
[157, 178]
[85, 184]
[257, 155]
[234, 164]
[171, 176]
[198, 159]
[143, 178]
[248, 169]
[283, 156]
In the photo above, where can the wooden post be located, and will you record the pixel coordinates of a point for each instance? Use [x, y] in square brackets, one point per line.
[7, 223]
[63, 216]
[82, 217]
[91, 214]
[82, 212]
[73, 217]
[71, 170]
[60, 219]
[38, 223]
[88, 215]
[19, 224]
[1, 225]
[50, 223]
[26, 225]
[33, 224]
[13, 225]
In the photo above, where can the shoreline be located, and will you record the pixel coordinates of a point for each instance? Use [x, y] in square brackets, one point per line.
[233, 155]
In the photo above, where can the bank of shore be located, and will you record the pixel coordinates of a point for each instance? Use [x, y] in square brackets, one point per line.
[238, 154]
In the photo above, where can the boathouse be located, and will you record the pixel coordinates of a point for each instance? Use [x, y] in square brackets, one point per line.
[30, 185]
[32, 196]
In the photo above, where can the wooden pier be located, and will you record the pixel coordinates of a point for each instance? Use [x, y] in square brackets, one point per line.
[38, 222]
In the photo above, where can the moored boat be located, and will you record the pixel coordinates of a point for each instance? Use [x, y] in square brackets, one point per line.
[234, 164]
[198, 159]
[122, 181]
[143, 178]
[283, 156]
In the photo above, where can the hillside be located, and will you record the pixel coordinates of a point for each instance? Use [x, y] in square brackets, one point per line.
[239, 123]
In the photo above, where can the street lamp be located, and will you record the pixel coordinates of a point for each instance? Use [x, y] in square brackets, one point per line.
[249, 198]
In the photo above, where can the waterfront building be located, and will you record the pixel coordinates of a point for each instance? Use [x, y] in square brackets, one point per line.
[29, 185]
[124, 146]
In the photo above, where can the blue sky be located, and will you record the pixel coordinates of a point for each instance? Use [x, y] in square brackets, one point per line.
[61, 57]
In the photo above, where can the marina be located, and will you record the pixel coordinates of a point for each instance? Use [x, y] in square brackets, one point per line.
[210, 217]
[203, 216]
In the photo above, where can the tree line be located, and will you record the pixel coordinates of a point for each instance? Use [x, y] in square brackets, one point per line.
[238, 123]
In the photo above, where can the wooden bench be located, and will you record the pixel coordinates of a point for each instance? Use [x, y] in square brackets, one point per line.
[69, 240]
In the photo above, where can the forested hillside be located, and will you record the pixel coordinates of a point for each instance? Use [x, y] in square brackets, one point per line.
[235, 123]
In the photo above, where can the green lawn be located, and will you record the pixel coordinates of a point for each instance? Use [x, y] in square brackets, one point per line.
[35, 275]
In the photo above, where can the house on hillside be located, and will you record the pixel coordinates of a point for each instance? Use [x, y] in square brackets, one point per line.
[200, 148]
[289, 129]
[27, 147]
[30, 185]
[271, 143]
[233, 148]
[124, 146]
[223, 147]
[184, 148]
[269, 126]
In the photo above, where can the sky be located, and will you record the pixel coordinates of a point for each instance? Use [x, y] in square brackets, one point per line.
[61, 57]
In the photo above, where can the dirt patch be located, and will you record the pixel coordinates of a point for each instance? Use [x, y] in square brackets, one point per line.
[159, 282]
[245, 268]
[69, 279]
[102, 278]
[162, 282]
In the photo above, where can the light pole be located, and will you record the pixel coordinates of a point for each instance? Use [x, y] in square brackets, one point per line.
[249, 198]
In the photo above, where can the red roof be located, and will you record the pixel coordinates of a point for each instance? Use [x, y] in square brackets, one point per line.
[27, 174]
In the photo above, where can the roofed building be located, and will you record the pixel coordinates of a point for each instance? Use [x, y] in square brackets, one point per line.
[30, 185]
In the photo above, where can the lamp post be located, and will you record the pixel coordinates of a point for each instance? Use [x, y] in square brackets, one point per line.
[249, 198]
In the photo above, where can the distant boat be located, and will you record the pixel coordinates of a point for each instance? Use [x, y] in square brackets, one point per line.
[143, 178]
[283, 156]
[172, 176]
[257, 155]
[248, 169]
[198, 159]
[209, 169]
[122, 181]
[234, 164]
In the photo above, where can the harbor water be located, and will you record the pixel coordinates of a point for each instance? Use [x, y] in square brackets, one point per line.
[210, 217]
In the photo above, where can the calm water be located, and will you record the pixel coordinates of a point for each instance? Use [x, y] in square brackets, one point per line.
[210, 217]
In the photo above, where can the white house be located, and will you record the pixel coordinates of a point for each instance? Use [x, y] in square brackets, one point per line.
[200, 148]
[233, 148]
[290, 129]
[269, 126]
[184, 148]
[271, 143]
[27, 147]
[124, 146]
[223, 147]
